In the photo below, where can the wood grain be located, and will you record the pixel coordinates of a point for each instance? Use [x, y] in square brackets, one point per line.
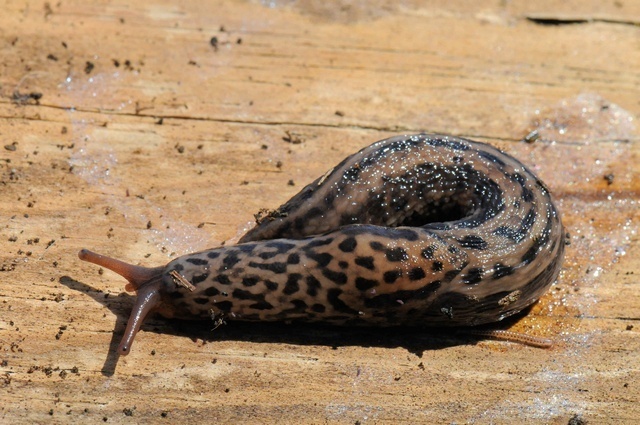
[149, 130]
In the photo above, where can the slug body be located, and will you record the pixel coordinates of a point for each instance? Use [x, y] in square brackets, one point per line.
[421, 230]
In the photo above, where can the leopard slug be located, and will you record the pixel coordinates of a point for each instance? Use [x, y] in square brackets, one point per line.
[417, 230]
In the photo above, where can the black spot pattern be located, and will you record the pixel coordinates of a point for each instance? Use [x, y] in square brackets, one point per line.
[268, 255]
[315, 243]
[532, 252]
[473, 276]
[336, 277]
[198, 278]
[197, 261]
[313, 285]
[366, 262]
[500, 271]
[364, 284]
[473, 242]
[275, 267]
[428, 252]
[292, 286]
[491, 158]
[376, 246]
[261, 305]
[333, 298]
[391, 276]
[396, 254]
[250, 281]
[223, 279]
[224, 306]
[351, 174]
[450, 275]
[527, 194]
[246, 248]
[299, 307]
[280, 246]
[348, 245]
[399, 298]
[271, 286]
[293, 259]
[519, 178]
[545, 275]
[416, 273]
[241, 294]
[318, 308]
[211, 291]
[323, 259]
[230, 261]
[519, 234]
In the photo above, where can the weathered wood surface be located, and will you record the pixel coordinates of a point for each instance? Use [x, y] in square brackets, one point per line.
[123, 129]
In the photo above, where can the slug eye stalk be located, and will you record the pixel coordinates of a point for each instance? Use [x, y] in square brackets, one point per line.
[145, 281]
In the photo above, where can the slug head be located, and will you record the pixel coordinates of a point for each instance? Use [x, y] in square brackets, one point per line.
[147, 282]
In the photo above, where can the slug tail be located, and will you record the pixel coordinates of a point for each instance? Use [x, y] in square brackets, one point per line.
[136, 275]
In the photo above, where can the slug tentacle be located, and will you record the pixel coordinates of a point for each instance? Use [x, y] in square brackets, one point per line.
[148, 300]
[145, 281]
[136, 275]
[419, 230]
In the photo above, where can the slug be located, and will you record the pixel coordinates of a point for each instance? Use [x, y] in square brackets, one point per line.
[417, 230]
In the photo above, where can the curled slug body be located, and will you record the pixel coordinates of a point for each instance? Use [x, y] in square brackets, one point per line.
[420, 230]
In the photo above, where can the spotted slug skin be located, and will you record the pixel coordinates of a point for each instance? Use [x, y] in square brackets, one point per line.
[418, 230]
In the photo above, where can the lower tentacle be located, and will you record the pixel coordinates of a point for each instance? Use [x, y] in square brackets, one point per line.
[148, 300]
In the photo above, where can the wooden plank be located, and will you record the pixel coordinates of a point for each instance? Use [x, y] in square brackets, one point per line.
[123, 129]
